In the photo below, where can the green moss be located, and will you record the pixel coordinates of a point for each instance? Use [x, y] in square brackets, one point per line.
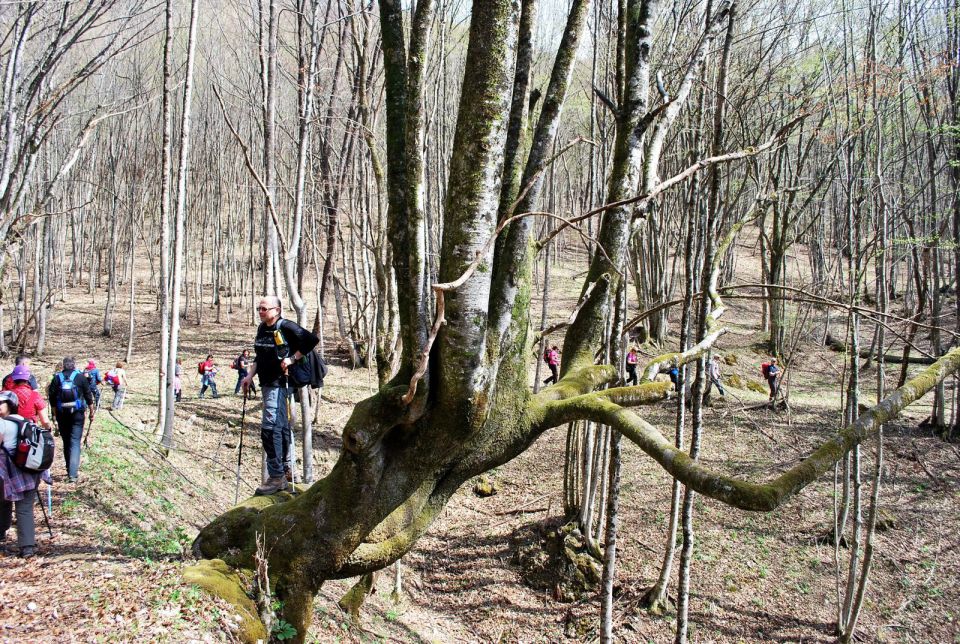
[220, 580]
[351, 602]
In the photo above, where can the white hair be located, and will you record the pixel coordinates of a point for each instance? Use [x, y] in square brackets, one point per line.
[272, 300]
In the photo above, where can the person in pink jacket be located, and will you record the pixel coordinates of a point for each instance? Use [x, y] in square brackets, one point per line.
[552, 358]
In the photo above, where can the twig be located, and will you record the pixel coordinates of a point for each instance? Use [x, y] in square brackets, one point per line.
[573, 314]
[937, 481]
[524, 506]
[681, 176]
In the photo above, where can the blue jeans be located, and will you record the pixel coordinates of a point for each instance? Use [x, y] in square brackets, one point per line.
[241, 374]
[208, 381]
[275, 429]
[71, 431]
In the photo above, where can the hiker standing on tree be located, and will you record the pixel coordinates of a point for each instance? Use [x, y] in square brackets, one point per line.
[242, 365]
[279, 344]
[552, 358]
[208, 373]
[632, 366]
[772, 373]
[23, 361]
[69, 395]
[17, 487]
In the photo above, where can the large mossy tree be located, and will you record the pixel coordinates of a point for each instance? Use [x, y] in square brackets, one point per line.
[460, 403]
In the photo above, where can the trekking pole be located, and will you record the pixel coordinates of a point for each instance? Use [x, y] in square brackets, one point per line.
[292, 461]
[243, 414]
[86, 435]
[43, 511]
[50, 498]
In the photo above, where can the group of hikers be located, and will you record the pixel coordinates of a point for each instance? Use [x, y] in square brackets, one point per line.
[207, 370]
[74, 396]
[770, 370]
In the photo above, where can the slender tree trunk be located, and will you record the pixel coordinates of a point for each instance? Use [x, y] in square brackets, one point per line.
[179, 223]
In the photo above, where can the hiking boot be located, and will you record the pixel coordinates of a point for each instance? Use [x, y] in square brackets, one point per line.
[71, 479]
[26, 552]
[272, 485]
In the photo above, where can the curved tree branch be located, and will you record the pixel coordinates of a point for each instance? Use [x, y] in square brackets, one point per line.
[731, 490]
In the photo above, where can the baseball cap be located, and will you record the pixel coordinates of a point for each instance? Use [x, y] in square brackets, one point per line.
[21, 372]
[11, 398]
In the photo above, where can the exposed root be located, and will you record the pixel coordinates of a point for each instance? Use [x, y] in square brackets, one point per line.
[351, 602]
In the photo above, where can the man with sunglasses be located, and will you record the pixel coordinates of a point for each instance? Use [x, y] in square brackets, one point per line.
[279, 344]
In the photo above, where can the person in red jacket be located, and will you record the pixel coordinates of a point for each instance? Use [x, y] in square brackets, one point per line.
[32, 406]
[208, 373]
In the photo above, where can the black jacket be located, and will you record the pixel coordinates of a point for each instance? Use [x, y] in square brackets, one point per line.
[270, 353]
[80, 382]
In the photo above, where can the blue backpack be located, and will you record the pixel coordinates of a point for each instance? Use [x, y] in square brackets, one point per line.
[69, 398]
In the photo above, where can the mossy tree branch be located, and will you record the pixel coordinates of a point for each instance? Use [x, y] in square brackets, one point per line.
[730, 490]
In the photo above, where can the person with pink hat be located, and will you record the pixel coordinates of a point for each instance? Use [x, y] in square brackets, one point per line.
[18, 488]
[94, 379]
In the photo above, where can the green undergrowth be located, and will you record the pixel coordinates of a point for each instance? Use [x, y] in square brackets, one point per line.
[137, 495]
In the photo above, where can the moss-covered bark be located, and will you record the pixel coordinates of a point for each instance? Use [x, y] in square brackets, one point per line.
[217, 578]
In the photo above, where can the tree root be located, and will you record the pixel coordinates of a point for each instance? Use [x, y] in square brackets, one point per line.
[353, 599]
[655, 603]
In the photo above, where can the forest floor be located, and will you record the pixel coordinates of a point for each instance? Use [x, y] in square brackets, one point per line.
[121, 535]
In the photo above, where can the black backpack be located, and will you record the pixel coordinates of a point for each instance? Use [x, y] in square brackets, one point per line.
[308, 371]
[35, 447]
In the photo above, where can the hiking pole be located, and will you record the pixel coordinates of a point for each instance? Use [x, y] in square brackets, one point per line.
[243, 414]
[50, 498]
[292, 456]
[86, 435]
[43, 511]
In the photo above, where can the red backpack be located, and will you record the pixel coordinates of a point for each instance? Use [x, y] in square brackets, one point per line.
[765, 369]
[200, 366]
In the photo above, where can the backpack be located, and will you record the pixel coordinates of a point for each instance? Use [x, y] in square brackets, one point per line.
[310, 371]
[765, 369]
[235, 364]
[69, 399]
[88, 374]
[200, 367]
[546, 356]
[35, 446]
